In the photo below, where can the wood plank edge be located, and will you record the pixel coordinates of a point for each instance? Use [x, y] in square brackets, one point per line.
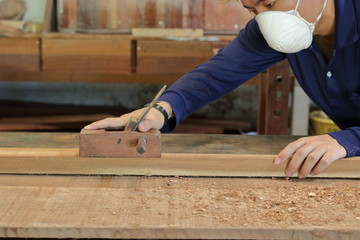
[310, 232]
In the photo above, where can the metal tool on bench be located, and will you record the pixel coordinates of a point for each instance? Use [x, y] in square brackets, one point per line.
[128, 143]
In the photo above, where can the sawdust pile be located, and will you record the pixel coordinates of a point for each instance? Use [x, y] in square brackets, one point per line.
[257, 202]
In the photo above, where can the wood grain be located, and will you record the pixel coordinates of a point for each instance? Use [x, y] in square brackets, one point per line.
[89, 77]
[92, 56]
[279, 83]
[49, 17]
[173, 143]
[225, 16]
[183, 155]
[19, 55]
[176, 208]
[167, 32]
[220, 165]
[126, 14]
[213, 16]
[273, 114]
[46, 206]
[99, 78]
[69, 16]
[161, 57]
[54, 122]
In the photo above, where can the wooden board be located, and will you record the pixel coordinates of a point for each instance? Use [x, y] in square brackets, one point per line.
[214, 16]
[225, 16]
[167, 32]
[177, 208]
[122, 14]
[174, 57]
[172, 143]
[183, 155]
[18, 54]
[221, 165]
[273, 115]
[90, 56]
[89, 77]
[53, 122]
[49, 23]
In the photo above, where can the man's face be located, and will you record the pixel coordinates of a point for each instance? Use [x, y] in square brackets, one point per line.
[259, 6]
[308, 9]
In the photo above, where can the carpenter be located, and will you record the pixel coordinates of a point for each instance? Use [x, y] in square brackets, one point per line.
[320, 39]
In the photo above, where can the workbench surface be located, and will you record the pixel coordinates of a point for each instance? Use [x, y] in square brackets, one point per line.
[172, 143]
[108, 206]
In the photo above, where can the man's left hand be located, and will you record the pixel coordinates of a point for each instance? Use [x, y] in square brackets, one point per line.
[310, 155]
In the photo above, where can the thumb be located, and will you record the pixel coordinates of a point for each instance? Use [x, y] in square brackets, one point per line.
[145, 126]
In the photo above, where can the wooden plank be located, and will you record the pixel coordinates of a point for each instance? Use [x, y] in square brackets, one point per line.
[167, 32]
[176, 57]
[88, 18]
[54, 122]
[126, 14]
[197, 125]
[261, 116]
[225, 17]
[18, 54]
[173, 13]
[177, 208]
[220, 38]
[173, 143]
[161, 12]
[67, 14]
[49, 17]
[93, 55]
[98, 78]
[177, 164]
[215, 145]
[278, 86]
[121, 14]
[39, 152]
[193, 14]
[55, 119]
[112, 17]
[183, 155]
[89, 77]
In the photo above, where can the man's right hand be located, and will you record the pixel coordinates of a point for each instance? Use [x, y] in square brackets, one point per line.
[153, 120]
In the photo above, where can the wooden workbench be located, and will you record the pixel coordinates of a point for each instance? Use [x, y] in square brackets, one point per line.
[108, 205]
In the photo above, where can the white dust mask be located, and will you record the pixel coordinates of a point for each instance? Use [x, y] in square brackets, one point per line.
[287, 32]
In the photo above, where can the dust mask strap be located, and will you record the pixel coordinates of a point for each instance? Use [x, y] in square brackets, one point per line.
[322, 11]
[320, 15]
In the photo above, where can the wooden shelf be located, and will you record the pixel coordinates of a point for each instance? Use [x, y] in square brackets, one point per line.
[59, 57]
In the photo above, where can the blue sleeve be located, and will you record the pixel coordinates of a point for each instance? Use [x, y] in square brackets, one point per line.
[246, 56]
[349, 139]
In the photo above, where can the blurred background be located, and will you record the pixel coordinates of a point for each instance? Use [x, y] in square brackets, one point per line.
[66, 63]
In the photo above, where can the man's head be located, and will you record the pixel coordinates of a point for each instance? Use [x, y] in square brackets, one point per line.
[283, 25]
[308, 9]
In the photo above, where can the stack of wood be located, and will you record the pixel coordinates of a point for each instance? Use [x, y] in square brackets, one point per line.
[121, 15]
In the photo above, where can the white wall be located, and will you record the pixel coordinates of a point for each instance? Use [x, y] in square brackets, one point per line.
[35, 10]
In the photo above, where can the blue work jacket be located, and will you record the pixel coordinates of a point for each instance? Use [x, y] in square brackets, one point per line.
[332, 85]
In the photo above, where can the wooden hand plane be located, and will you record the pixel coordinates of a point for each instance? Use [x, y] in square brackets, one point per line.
[124, 144]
